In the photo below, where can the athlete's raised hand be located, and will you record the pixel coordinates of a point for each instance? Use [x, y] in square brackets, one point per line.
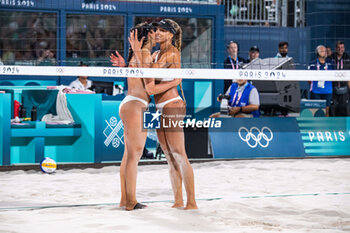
[135, 44]
[118, 60]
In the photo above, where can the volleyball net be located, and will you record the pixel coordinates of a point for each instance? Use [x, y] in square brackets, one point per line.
[185, 73]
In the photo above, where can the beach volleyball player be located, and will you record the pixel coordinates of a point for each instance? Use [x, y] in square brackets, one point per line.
[169, 36]
[131, 111]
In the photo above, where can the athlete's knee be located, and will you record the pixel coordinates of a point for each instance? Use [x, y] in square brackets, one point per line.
[180, 157]
[173, 165]
[178, 149]
[165, 149]
[134, 153]
[171, 160]
[168, 157]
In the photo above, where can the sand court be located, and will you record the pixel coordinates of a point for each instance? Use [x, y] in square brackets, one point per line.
[290, 195]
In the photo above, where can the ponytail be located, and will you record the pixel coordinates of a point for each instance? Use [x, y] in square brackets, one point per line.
[178, 38]
[177, 44]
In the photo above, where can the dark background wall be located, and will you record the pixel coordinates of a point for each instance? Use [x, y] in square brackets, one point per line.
[267, 39]
[327, 21]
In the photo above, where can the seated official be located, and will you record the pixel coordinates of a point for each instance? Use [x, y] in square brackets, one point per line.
[81, 83]
[243, 100]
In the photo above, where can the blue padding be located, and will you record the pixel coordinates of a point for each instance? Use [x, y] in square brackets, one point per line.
[32, 84]
[5, 129]
[64, 126]
[40, 129]
[6, 83]
[12, 93]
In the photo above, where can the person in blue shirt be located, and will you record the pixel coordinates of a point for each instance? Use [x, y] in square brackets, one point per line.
[321, 90]
[244, 100]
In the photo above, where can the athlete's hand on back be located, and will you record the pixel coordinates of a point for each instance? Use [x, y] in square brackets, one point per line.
[117, 60]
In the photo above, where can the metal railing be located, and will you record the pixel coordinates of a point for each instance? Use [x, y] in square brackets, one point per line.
[252, 12]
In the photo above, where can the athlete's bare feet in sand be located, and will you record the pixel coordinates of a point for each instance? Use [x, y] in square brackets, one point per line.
[178, 205]
[191, 206]
[132, 206]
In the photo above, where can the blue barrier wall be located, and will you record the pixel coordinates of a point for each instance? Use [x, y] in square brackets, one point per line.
[256, 138]
[325, 136]
[328, 22]
[5, 111]
[281, 137]
[66, 144]
[99, 137]
[112, 133]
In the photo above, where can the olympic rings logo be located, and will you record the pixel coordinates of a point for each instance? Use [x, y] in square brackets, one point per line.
[255, 137]
[340, 74]
[60, 70]
[189, 72]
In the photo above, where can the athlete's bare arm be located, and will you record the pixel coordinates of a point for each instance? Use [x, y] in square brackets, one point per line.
[117, 60]
[154, 89]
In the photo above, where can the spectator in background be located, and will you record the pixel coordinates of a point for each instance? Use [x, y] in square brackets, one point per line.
[188, 34]
[329, 52]
[254, 53]
[8, 56]
[244, 100]
[341, 94]
[322, 90]
[47, 58]
[340, 57]
[282, 49]
[233, 61]
[81, 83]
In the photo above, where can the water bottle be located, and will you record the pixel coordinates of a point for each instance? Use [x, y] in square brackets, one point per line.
[34, 114]
[22, 112]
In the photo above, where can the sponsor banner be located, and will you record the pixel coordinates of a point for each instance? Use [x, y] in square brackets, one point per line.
[162, 7]
[18, 3]
[326, 136]
[175, 9]
[259, 137]
[98, 6]
[114, 7]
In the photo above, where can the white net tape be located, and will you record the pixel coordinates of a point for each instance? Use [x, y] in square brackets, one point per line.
[212, 74]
